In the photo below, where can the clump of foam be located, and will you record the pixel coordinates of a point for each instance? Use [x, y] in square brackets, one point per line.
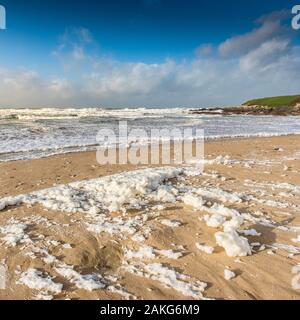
[223, 160]
[165, 194]
[250, 232]
[228, 274]
[214, 221]
[88, 282]
[145, 252]
[222, 210]
[171, 223]
[288, 248]
[234, 245]
[234, 223]
[138, 237]
[120, 291]
[116, 225]
[219, 194]
[35, 279]
[204, 248]
[193, 201]
[10, 201]
[170, 254]
[14, 232]
[173, 279]
[170, 278]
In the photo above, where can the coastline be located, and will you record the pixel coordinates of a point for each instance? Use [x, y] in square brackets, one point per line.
[81, 165]
[254, 110]
[93, 148]
[252, 166]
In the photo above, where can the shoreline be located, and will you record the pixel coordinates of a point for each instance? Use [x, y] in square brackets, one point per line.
[93, 148]
[252, 110]
[84, 163]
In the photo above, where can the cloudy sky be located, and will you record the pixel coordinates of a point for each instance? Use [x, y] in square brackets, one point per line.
[152, 53]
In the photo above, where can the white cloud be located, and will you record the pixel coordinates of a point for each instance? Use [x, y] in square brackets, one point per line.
[20, 80]
[131, 78]
[264, 56]
[28, 88]
[73, 47]
[61, 87]
[204, 50]
[262, 62]
[270, 28]
[78, 53]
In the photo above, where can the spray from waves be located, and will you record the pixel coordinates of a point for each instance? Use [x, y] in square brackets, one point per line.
[73, 113]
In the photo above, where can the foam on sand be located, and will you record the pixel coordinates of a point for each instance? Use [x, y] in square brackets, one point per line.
[228, 274]
[204, 248]
[136, 190]
[171, 223]
[35, 279]
[233, 224]
[170, 278]
[220, 209]
[215, 220]
[147, 252]
[13, 232]
[193, 201]
[250, 232]
[107, 193]
[218, 194]
[88, 282]
[234, 245]
[170, 254]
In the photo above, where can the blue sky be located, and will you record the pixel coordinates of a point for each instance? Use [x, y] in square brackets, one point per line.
[154, 53]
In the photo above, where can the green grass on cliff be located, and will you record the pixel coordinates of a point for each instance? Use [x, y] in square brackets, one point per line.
[283, 101]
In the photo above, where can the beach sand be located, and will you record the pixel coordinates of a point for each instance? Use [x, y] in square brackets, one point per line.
[47, 242]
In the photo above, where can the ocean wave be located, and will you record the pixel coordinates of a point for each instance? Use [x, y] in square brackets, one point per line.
[72, 130]
[43, 152]
[71, 113]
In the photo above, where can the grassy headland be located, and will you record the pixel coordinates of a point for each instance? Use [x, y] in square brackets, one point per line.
[277, 106]
[274, 102]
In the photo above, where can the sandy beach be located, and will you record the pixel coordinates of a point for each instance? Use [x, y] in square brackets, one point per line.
[166, 241]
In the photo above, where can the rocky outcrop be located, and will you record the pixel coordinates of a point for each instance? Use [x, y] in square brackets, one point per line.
[252, 110]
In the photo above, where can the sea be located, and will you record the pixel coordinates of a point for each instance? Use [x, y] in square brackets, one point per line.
[35, 133]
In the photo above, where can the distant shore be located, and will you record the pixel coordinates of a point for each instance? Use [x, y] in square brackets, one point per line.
[271, 106]
[251, 110]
